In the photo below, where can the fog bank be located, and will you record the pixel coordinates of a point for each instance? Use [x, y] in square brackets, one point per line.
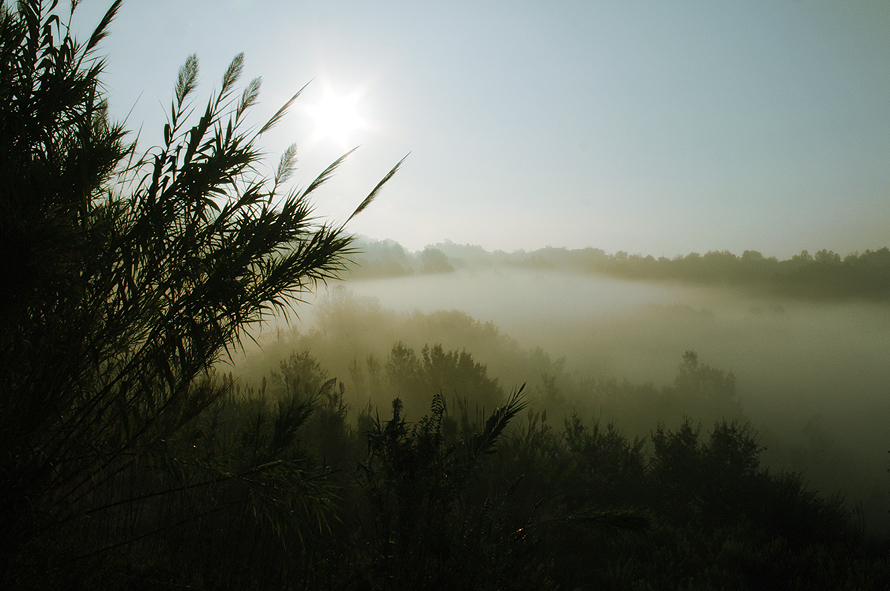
[812, 377]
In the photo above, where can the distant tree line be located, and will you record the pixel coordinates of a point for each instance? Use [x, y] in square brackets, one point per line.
[387, 258]
[823, 275]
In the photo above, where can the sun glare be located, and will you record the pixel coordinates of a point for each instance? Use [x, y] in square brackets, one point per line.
[336, 118]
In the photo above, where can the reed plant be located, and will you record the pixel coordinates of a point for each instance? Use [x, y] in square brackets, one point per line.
[126, 277]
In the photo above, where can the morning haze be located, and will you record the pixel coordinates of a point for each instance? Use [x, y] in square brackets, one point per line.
[572, 341]
[804, 337]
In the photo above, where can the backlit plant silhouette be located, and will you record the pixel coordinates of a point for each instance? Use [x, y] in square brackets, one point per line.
[126, 278]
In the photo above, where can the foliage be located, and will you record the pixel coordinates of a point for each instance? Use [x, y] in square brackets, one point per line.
[125, 280]
[425, 528]
[721, 483]
[437, 370]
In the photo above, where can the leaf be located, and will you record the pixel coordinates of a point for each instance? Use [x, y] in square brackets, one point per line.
[373, 194]
[100, 31]
[280, 113]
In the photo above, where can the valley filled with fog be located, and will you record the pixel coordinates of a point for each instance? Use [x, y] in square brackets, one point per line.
[811, 376]
[825, 353]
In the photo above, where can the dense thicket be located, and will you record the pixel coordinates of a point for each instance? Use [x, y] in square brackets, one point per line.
[349, 332]
[512, 500]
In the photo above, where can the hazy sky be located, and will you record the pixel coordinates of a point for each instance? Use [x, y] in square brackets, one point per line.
[648, 126]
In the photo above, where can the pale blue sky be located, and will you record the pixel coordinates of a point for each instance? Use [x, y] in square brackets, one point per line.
[647, 126]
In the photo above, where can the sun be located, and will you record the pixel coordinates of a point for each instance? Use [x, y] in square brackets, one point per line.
[336, 117]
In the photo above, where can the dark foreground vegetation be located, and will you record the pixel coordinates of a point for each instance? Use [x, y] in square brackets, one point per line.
[128, 462]
[822, 276]
[289, 487]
